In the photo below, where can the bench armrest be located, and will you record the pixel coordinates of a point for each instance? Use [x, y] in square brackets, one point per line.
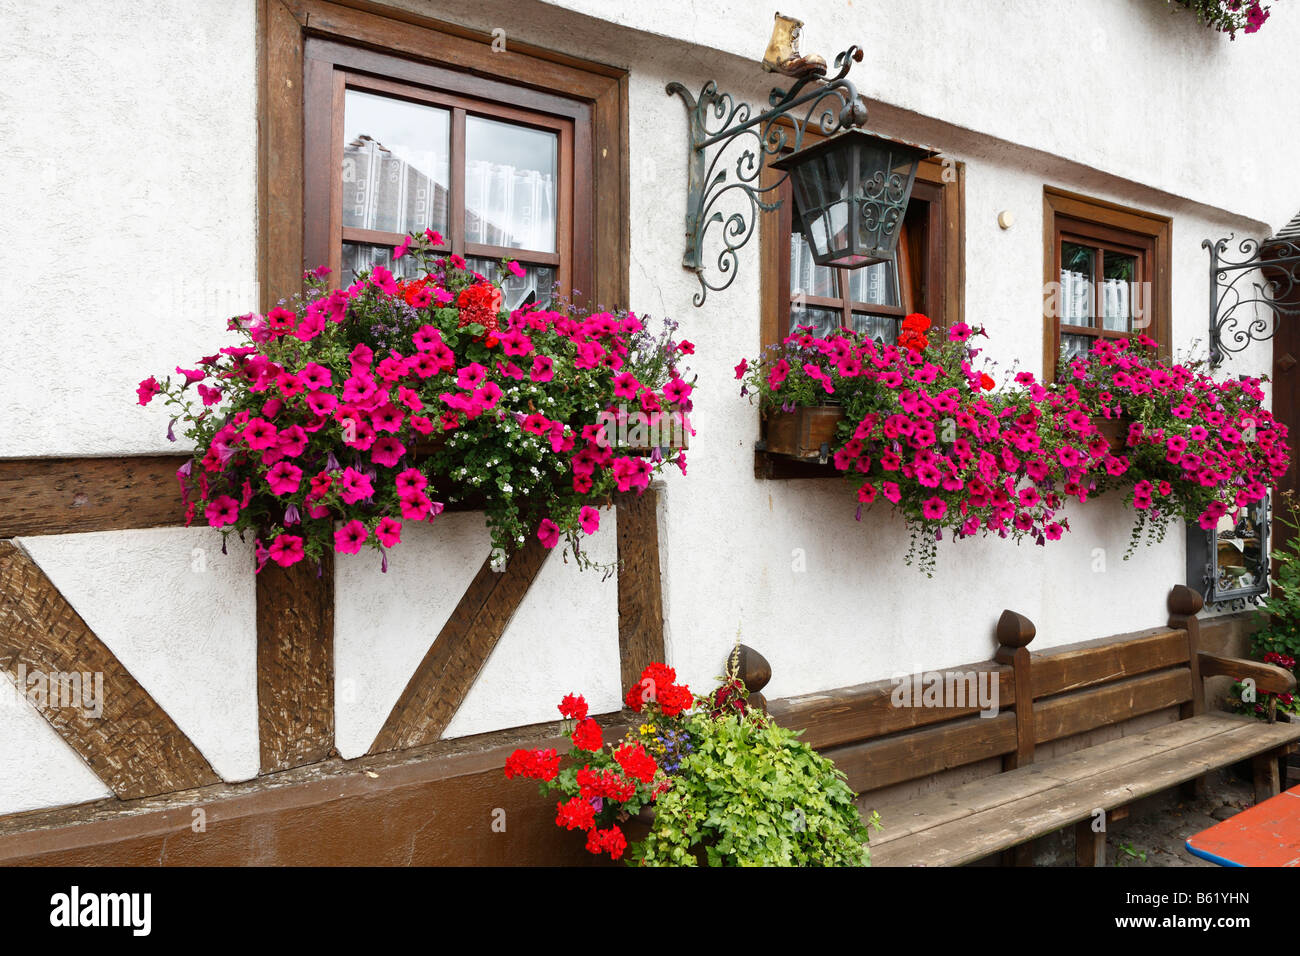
[1268, 678]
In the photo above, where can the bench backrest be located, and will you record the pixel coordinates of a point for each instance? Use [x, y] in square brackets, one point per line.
[880, 734]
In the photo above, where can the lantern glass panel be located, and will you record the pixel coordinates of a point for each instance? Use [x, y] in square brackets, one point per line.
[885, 176]
[821, 192]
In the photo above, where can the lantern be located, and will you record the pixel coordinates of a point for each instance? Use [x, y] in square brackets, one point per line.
[850, 193]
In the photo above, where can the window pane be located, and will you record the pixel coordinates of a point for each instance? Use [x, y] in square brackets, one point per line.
[510, 185]
[1119, 277]
[358, 258]
[882, 329]
[1076, 284]
[877, 285]
[1075, 345]
[536, 285]
[806, 277]
[823, 322]
[1237, 546]
[395, 164]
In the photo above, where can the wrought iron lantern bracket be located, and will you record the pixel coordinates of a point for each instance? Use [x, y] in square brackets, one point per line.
[716, 121]
[1250, 292]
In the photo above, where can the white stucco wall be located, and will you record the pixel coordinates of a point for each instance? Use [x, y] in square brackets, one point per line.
[563, 638]
[131, 161]
[132, 156]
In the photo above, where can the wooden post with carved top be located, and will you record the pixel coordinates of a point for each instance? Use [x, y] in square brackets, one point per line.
[1014, 632]
[753, 668]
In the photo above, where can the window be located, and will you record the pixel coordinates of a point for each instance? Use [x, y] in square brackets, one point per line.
[924, 276]
[1106, 274]
[495, 174]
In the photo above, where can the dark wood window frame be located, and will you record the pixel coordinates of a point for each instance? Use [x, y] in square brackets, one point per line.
[370, 39]
[333, 69]
[936, 250]
[1070, 217]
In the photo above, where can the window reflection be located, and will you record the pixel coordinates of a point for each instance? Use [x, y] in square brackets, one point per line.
[510, 177]
[396, 164]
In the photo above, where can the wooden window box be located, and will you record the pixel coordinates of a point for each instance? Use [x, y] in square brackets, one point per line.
[798, 444]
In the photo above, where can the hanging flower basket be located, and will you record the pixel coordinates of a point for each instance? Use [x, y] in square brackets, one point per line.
[807, 433]
[344, 414]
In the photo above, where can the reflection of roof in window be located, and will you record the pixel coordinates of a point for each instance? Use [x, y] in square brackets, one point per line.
[480, 227]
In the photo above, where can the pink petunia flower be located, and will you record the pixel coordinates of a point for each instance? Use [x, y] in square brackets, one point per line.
[349, 538]
[934, 508]
[415, 506]
[542, 370]
[548, 533]
[389, 532]
[411, 481]
[260, 434]
[471, 376]
[589, 519]
[387, 451]
[284, 478]
[222, 511]
[147, 389]
[286, 550]
[356, 486]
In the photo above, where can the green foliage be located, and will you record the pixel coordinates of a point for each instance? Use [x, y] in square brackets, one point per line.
[1281, 610]
[753, 794]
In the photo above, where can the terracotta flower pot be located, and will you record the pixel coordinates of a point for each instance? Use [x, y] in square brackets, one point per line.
[807, 433]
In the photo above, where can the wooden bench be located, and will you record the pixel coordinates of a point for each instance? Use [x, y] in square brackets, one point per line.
[1041, 698]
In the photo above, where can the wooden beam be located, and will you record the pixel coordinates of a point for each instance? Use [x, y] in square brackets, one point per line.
[279, 147]
[363, 812]
[1089, 845]
[863, 711]
[70, 495]
[640, 597]
[880, 763]
[1267, 778]
[1113, 703]
[119, 731]
[443, 679]
[295, 664]
[1268, 678]
[1087, 663]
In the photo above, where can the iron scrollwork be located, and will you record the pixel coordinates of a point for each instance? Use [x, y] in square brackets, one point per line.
[718, 120]
[1251, 291]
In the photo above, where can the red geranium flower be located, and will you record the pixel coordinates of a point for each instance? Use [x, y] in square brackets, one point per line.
[611, 840]
[577, 814]
[573, 707]
[537, 764]
[587, 736]
[636, 762]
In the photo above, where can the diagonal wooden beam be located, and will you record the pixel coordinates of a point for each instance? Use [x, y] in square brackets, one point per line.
[295, 663]
[640, 596]
[118, 729]
[444, 677]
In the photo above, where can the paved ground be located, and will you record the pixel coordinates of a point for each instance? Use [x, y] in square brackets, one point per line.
[1155, 833]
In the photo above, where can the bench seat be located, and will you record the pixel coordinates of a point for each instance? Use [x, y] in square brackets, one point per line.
[975, 820]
